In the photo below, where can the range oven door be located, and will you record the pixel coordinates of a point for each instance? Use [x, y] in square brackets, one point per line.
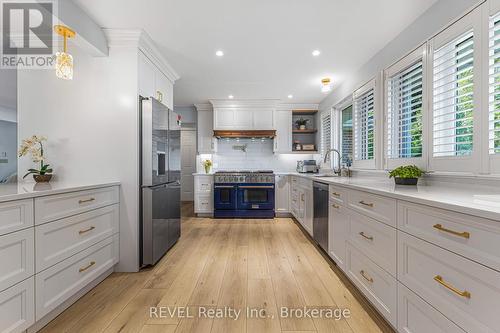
[256, 197]
[225, 197]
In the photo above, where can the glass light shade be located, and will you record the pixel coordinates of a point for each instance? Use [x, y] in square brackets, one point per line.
[326, 88]
[64, 66]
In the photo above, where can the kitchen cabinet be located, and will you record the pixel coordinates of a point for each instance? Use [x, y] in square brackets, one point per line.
[338, 229]
[207, 144]
[203, 194]
[283, 139]
[282, 194]
[228, 118]
[302, 202]
[152, 82]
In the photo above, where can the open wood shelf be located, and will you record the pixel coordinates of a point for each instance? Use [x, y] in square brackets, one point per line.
[306, 131]
[304, 151]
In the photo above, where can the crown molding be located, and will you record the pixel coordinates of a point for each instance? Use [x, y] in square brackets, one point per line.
[297, 106]
[203, 107]
[245, 103]
[138, 38]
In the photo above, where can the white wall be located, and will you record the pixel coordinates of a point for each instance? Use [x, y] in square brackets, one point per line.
[92, 127]
[428, 24]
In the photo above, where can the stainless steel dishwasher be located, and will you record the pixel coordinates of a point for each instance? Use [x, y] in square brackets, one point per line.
[320, 221]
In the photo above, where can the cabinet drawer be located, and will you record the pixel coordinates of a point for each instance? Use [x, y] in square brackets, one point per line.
[204, 184]
[15, 215]
[375, 283]
[54, 207]
[16, 257]
[338, 194]
[204, 203]
[17, 307]
[376, 240]
[472, 237]
[416, 316]
[61, 239]
[464, 291]
[378, 207]
[59, 282]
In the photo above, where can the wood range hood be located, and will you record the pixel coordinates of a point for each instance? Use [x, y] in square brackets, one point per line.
[245, 134]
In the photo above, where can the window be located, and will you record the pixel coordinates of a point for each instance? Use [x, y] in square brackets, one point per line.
[364, 125]
[346, 133]
[326, 133]
[453, 97]
[494, 86]
[404, 112]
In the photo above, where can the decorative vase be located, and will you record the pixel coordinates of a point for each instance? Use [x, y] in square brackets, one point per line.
[406, 181]
[42, 178]
[302, 127]
[207, 169]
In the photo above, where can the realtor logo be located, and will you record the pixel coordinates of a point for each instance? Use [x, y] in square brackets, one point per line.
[27, 33]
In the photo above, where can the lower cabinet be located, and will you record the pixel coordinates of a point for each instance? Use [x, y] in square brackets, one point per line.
[17, 307]
[282, 194]
[338, 233]
[17, 257]
[374, 282]
[416, 316]
[61, 281]
[203, 194]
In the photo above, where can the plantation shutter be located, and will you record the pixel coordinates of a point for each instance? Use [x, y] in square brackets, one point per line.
[326, 134]
[494, 85]
[404, 112]
[453, 99]
[364, 126]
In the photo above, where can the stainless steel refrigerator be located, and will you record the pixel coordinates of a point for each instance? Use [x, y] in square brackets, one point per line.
[160, 174]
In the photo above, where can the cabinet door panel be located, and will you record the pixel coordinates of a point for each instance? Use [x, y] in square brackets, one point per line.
[283, 125]
[146, 77]
[263, 120]
[338, 227]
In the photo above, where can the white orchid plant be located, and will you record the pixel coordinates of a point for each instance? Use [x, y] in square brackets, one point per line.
[34, 147]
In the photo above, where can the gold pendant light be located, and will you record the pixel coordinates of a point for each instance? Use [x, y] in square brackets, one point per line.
[64, 60]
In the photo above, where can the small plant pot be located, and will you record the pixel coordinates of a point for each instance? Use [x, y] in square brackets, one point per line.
[406, 181]
[42, 178]
[207, 169]
[302, 127]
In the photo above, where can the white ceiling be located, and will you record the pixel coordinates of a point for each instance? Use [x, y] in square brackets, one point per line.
[267, 43]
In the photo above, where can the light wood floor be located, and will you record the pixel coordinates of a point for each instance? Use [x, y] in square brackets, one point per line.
[263, 264]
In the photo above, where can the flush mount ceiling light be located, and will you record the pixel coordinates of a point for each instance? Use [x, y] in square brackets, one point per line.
[325, 85]
[219, 53]
[64, 60]
[230, 96]
[316, 53]
[290, 96]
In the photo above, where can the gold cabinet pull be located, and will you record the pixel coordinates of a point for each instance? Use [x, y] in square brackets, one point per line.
[464, 234]
[335, 206]
[366, 203]
[86, 230]
[367, 278]
[362, 234]
[160, 95]
[336, 194]
[83, 269]
[439, 279]
[86, 200]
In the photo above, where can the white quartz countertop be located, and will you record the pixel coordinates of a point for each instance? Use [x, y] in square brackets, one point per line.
[24, 190]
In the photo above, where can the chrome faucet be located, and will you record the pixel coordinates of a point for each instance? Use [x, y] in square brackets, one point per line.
[339, 170]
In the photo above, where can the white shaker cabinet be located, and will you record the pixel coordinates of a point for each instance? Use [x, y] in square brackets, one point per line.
[263, 119]
[282, 194]
[152, 82]
[207, 144]
[244, 115]
[283, 124]
[338, 230]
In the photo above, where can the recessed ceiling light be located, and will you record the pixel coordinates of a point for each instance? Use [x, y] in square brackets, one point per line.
[316, 53]
[290, 96]
[230, 96]
[219, 53]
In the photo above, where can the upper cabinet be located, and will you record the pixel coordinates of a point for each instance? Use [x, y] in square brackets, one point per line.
[283, 139]
[207, 144]
[244, 115]
[152, 82]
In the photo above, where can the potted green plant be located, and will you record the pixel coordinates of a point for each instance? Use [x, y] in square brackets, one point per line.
[301, 123]
[406, 175]
[34, 147]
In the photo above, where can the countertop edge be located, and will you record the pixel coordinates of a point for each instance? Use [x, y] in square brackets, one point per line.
[42, 193]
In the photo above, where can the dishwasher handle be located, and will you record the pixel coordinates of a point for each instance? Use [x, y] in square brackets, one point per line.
[320, 186]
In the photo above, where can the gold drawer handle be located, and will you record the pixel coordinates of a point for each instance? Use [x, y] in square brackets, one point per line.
[335, 206]
[367, 278]
[160, 96]
[86, 200]
[366, 203]
[439, 279]
[464, 234]
[86, 230]
[336, 194]
[362, 234]
[83, 269]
